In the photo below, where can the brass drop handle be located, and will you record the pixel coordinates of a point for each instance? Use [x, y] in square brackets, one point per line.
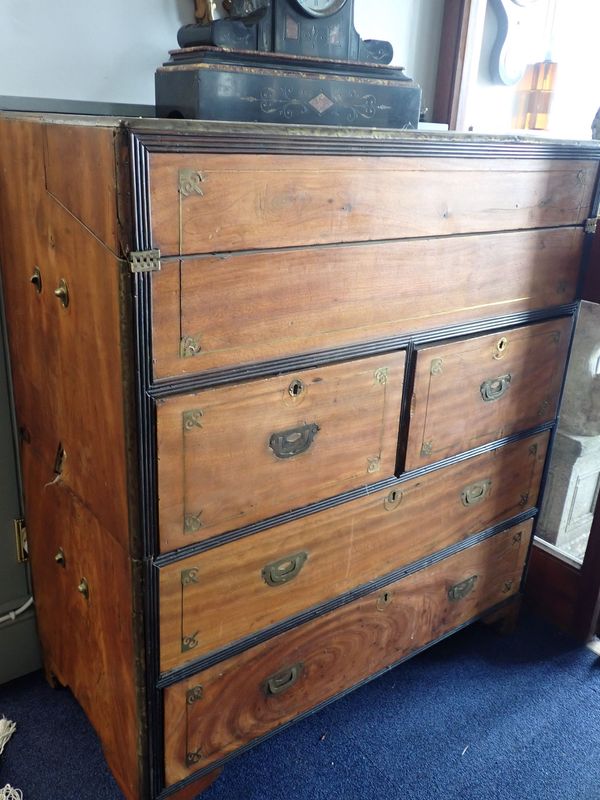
[36, 280]
[283, 680]
[83, 588]
[62, 292]
[292, 442]
[60, 557]
[284, 570]
[461, 590]
[476, 493]
[495, 388]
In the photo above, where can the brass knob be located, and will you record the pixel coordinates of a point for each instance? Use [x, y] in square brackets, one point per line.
[84, 588]
[62, 293]
[36, 279]
[60, 557]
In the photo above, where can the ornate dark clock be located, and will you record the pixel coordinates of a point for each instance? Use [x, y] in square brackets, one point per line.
[285, 61]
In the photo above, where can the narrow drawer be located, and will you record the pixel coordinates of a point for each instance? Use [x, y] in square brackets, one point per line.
[207, 203]
[311, 299]
[230, 456]
[230, 705]
[477, 390]
[266, 578]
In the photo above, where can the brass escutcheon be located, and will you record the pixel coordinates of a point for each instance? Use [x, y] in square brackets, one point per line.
[393, 500]
[384, 599]
[36, 280]
[296, 388]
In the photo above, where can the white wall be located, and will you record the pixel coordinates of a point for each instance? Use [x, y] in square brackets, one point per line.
[108, 51]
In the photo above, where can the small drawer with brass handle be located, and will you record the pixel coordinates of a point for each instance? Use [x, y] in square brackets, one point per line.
[460, 402]
[232, 455]
[284, 570]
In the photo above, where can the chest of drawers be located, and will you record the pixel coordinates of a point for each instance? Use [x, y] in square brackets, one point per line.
[285, 399]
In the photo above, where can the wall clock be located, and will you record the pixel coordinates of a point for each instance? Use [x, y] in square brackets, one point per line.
[284, 61]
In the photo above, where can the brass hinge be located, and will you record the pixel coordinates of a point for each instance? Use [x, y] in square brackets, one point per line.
[591, 224]
[144, 260]
[21, 540]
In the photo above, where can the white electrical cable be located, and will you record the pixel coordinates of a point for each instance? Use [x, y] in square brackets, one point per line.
[8, 793]
[12, 615]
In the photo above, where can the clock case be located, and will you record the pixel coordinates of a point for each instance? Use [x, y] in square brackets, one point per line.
[286, 66]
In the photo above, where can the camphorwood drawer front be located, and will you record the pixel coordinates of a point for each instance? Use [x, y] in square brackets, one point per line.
[278, 573]
[236, 454]
[310, 299]
[207, 203]
[477, 390]
[231, 704]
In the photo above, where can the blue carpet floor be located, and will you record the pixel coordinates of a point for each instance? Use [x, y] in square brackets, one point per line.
[478, 717]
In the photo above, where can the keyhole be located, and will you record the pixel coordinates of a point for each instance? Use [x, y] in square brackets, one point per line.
[296, 388]
[501, 346]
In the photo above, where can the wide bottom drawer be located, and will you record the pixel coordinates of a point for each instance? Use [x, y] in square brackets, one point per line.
[235, 702]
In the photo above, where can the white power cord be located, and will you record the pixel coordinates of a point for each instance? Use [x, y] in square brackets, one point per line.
[11, 617]
[8, 793]
[7, 728]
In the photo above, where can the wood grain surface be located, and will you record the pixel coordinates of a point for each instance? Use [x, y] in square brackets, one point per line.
[241, 202]
[90, 190]
[217, 470]
[227, 594]
[233, 703]
[311, 299]
[71, 399]
[523, 366]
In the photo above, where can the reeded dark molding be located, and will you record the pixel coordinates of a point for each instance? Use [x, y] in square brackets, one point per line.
[234, 649]
[174, 556]
[217, 764]
[258, 138]
[211, 378]
[142, 327]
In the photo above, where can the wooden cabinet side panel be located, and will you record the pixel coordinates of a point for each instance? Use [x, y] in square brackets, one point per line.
[72, 401]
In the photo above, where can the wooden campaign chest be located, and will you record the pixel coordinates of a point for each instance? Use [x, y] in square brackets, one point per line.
[285, 399]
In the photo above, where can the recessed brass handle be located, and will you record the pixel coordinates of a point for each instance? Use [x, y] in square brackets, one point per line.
[62, 293]
[476, 493]
[290, 443]
[36, 280]
[60, 557]
[283, 680]
[284, 570]
[84, 588]
[495, 388]
[461, 590]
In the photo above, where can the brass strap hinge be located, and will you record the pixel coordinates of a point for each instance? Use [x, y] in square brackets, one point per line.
[591, 224]
[21, 540]
[144, 260]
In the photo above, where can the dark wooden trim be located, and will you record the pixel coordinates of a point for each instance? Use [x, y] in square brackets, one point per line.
[146, 455]
[273, 139]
